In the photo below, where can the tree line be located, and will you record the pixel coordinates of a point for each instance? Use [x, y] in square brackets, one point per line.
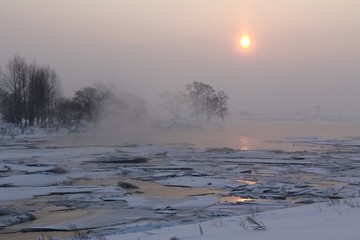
[92, 103]
[31, 94]
[28, 93]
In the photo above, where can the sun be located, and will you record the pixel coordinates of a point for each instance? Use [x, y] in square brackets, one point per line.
[245, 41]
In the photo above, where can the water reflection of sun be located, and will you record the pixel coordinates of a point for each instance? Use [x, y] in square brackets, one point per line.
[234, 199]
[248, 182]
[245, 143]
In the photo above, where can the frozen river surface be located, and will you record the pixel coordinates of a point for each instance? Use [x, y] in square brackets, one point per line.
[53, 189]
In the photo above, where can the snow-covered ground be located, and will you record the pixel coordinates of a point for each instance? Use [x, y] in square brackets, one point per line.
[328, 221]
[179, 191]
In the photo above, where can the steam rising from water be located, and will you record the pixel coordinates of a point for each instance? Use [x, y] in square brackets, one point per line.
[243, 135]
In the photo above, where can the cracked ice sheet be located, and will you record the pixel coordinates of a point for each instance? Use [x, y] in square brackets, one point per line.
[51, 154]
[27, 168]
[199, 182]
[138, 208]
[98, 219]
[33, 180]
[22, 193]
[163, 202]
[214, 163]
[315, 141]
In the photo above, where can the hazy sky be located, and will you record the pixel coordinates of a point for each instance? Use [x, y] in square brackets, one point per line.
[304, 53]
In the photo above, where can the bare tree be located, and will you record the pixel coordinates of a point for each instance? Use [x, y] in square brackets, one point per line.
[44, 90]
[14, 83]
[201, 96]
[195, 94]
[67, 112]
[85, 100]
[208, 98]
[6, 109]
[175, 103]
[54, 92]
[32, 93]
[92, 101]
[205, 100]
[39, 95]
[220, 102]
[28, 93]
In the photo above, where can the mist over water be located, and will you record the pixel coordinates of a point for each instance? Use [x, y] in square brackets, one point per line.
[242, 134]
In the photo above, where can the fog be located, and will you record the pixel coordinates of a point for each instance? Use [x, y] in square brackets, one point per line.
[243, 135]
[304, 53]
